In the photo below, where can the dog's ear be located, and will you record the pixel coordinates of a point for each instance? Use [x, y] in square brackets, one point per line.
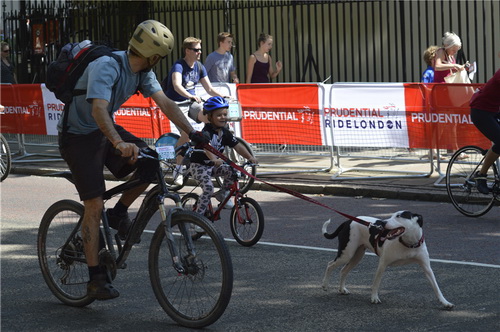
[420, 220]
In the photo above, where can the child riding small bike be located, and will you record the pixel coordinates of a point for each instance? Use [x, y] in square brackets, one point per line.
[205, 165]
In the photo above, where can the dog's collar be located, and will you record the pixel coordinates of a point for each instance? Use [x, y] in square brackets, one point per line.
[412, 246]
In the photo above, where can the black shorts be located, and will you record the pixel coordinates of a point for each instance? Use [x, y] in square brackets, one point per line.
[487, 124]
[87, 155]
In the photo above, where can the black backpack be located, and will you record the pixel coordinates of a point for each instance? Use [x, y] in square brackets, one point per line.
[74, 58]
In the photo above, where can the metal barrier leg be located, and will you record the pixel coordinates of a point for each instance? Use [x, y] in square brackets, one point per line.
[22, 153]
[407, 173]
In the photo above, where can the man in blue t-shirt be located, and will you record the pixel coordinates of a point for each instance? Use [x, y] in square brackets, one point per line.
[89, 138]
[220, 64]
[179, 85]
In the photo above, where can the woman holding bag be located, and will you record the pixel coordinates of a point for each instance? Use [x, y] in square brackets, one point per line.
[445, 63]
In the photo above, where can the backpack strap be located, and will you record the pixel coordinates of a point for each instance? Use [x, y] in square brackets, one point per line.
[79, 92]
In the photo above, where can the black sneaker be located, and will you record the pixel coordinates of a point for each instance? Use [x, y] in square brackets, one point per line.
[100, 289]
[120, 223]
[481, 184]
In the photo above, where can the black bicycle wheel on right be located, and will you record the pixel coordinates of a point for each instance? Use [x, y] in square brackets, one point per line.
[247, 222]
[198, 296]
[6, 161]
[60, 253]
[461, 186]
[246, 181]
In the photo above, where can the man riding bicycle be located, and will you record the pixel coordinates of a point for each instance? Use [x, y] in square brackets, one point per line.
[485, 109]
[89, 138]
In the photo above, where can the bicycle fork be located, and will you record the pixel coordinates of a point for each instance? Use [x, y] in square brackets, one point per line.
[174, 251]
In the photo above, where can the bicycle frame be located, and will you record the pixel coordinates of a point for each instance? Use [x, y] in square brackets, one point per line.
[155, 196]
[233, 191]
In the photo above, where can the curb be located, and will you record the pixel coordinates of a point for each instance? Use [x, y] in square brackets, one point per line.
[350, 189]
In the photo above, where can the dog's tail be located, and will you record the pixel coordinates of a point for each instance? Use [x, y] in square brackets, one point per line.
[334, 234]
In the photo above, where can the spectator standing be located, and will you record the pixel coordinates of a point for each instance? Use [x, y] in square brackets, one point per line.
[428, 77]
[179, 85]
[445, 63]
[260, 66]
[8, 74]
[430, 59]
[220, 63]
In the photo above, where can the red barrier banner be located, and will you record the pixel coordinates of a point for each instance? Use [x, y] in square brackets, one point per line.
[412, 115]
[280, 113]
[142, 117]
[449, 113]
[24, 111]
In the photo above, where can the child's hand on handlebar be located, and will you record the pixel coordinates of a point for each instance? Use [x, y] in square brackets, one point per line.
[253, 160]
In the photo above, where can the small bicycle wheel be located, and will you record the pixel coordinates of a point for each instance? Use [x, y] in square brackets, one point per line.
[168, 173]
[199, 295]
[245, 181]
[6, 161]
[189, 201]
[247, 222]
[461, 186]
[60, 253]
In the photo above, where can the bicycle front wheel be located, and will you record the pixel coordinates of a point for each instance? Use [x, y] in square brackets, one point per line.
[245, 181]
[6, 161]
[247, 222]
[60, 253]
[461, 186]
[199, 295]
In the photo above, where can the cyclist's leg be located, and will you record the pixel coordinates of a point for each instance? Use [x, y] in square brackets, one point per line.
[487, 123]
[225, 171]
[85, 157]
[203, 175]
[120, 167]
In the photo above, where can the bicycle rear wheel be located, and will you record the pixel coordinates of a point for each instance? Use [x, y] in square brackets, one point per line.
[199, 296]
[460, 185]
[245, 181]
[247, 222]
[6, 161]
[60, 253]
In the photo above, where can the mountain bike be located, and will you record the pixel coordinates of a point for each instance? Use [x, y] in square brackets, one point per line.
[6, 158]
[246, 219]
[245, 181]
[461, 186]
[192, 280]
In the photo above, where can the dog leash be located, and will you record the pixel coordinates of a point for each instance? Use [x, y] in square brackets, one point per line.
[286, 190]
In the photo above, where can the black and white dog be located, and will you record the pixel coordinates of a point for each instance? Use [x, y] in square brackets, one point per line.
[355, 238]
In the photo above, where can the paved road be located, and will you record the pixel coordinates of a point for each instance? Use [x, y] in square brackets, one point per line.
[277, 281]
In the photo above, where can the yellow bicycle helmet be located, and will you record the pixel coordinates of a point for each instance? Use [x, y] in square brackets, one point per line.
[152, 38]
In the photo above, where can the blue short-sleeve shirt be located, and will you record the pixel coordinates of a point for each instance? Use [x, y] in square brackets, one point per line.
[106, 79]
[190, 77]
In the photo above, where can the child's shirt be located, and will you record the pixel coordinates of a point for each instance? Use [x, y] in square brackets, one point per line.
[428, 75]
[226, 138]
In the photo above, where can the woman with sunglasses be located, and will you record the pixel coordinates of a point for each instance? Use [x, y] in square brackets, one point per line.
[179, 85]
[8, 75]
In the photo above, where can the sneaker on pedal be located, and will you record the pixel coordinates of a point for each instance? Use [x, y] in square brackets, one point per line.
[100, 289]
[178, 176]
[221, 196]
[120, 223]
[481, 183]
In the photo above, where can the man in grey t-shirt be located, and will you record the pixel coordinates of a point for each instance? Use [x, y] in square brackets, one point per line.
[89, 138]
[220, 64]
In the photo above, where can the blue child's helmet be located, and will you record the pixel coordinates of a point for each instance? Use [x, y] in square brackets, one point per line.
[214, 103]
